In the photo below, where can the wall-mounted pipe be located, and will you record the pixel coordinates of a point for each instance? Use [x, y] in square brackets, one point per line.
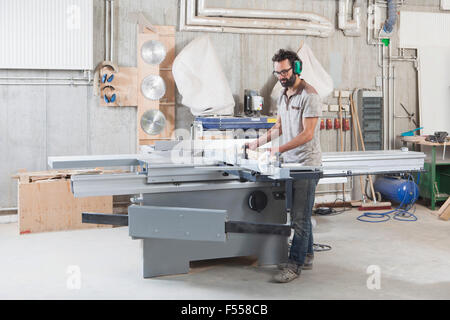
[112, 32]
[86, 80]
[202, 10]
[189, 21]
[351, 28]
[371, 25]
[251, 30]
[66, 83]
[385, 61]
[42, 78]
[106, 30]
[192, 19]
[400, 58]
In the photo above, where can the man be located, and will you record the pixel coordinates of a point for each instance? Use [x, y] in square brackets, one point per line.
[299, 109]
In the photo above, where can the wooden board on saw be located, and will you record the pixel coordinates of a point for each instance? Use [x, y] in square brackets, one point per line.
[125, 88]
[166, 35]
[49, 205]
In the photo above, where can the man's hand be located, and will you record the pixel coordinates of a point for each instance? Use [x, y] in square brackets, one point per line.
[274, 151]
[252, 145]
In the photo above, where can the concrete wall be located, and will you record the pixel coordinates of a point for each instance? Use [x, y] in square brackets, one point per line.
[41, 121]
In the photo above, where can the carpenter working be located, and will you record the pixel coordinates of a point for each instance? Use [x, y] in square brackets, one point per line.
[299, 108]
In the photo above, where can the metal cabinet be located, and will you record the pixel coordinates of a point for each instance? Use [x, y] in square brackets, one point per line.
[371, 118]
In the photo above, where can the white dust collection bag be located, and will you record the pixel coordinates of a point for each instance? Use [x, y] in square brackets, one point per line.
[201, 81]
[313, 73]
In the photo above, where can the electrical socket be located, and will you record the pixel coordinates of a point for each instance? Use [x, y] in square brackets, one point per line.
[379, 81]
[335, 107]
[324, 108]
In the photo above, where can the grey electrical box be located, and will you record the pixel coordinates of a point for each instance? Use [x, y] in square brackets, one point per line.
[370, 111]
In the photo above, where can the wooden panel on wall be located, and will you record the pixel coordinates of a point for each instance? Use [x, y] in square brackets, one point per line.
[165, 35]
[125, 87]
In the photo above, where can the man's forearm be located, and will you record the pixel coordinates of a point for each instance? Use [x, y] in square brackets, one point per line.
[273, 133]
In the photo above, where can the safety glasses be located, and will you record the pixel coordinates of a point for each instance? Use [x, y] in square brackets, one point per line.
[283, 73]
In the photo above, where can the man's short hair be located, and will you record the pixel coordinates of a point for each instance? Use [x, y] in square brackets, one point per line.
[285, 54]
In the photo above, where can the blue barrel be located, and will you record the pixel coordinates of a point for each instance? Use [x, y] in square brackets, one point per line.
[397, 190]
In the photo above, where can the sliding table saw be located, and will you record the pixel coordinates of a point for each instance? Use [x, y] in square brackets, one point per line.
[196, 200]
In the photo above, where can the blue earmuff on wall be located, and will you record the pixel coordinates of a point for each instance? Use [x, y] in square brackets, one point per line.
[109, 98]
[105, 78]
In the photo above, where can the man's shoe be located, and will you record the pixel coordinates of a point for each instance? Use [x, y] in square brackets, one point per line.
[308, 265]
[291, 272]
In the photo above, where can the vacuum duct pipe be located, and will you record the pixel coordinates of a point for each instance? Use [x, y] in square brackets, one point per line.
[391, 16]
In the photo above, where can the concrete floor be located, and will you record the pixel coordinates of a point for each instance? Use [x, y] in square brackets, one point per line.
[413, 260]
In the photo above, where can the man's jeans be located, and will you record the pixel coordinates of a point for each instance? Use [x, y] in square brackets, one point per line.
[302, 206]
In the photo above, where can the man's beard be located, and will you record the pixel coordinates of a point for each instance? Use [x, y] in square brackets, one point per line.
[289, 82]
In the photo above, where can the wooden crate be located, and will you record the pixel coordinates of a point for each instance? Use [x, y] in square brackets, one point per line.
[444, 211]
[46, 203]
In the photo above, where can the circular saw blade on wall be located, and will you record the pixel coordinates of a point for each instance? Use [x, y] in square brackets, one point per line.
[153, 87]
[153, 122]
[155, 84]
[153, 52]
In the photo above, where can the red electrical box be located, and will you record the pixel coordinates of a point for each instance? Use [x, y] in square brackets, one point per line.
[346, 125]
[337, 123]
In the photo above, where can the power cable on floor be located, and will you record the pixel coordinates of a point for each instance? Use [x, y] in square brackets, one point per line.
[330, 211]
[317, 247]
